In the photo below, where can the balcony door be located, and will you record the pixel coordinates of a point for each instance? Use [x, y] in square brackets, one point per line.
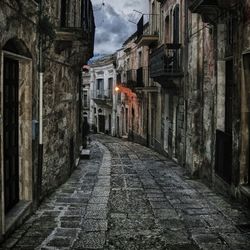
[100, 88]
[223, 157]
[101, 119]
[10, 133]
[246, 117]
[166, 123]
[176, 25]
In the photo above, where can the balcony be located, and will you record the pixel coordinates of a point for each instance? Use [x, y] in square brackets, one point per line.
[70, 34]
[166, 63]
[147, 39]
[208, 9]
[103, 98]
[77, 41]
[144, 36]
[200, 6]
[131, 78]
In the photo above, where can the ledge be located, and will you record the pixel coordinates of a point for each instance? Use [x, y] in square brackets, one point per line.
[245, 190]
[16, 216]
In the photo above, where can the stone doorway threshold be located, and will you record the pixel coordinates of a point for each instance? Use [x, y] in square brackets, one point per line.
[16, 216]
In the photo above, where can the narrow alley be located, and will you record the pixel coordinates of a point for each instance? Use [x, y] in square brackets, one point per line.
[127, 196]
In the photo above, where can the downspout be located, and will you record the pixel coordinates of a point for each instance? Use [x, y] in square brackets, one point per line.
[186, 41]
[40, 145]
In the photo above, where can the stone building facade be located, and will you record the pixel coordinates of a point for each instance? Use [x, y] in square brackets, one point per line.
[103, 98]
[27, 173]
[137, 87]
[195, 105]
[205, 99]
[18, 75]
[72, 47]
[221, 48]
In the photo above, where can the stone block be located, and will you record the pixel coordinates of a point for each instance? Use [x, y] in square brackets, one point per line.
[85, 154]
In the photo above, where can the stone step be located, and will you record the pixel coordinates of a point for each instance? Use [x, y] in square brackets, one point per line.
[85, 154]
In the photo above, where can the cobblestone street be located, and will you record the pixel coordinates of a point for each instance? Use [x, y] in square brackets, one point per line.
[127, 196]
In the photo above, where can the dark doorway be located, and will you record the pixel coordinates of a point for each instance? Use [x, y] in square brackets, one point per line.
[63, 13]
[10, 133]
[101, 123]
[126, 120]
[109, 124]
[246, 60]
[223, 157]
[229, 96]
[117, 125]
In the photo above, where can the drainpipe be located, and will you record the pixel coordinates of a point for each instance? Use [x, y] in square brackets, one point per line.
[40, 145]
[186, 41]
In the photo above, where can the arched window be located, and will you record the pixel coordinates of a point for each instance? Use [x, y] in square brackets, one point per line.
[167, 38]
[154, 17]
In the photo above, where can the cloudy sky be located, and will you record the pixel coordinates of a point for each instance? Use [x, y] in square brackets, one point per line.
[113, 22]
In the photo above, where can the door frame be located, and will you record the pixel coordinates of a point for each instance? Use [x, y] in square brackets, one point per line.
[8, 133]
[24, 152]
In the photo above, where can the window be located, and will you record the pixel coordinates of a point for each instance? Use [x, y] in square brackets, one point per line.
[85, 99]
[167, 38]
[110, 86]
[139, 59]
[119, 78]
[128, 62]
[100, 87]
[83, 12]
[63, 17]
[119, 97]
[176, 28]
[230, 30]
[153, 18]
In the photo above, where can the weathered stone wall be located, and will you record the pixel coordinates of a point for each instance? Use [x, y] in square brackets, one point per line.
[60, 123]
[62, 116]
[193, 96]
[18, 27]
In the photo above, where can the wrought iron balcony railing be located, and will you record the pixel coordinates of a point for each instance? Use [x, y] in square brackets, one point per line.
[130, 78]
[145, 37]
[105, 95]
[166, 61]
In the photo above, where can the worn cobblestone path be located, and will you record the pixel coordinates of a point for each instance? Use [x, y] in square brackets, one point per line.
[129, 197]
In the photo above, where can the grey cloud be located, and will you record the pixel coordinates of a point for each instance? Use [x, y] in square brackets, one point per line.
[112, 29]
[133, 3]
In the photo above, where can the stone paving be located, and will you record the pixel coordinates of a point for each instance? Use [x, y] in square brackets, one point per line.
[127, 196]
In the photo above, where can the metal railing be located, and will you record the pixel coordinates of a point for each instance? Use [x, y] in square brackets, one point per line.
[166, 60]
[102, 94]
[131, 78]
